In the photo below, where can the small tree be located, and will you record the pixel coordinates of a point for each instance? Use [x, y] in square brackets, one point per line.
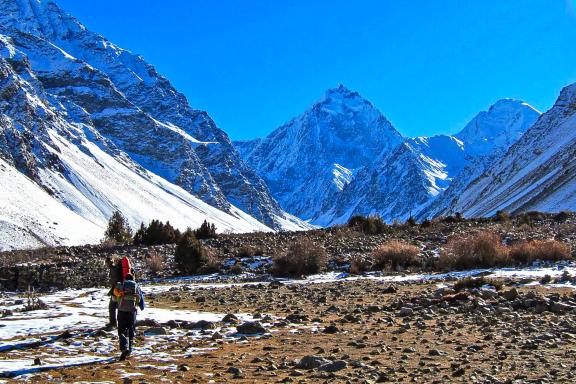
[156, 233]
[140, 235]
[206, 231]
[190, 255]
[118, 230]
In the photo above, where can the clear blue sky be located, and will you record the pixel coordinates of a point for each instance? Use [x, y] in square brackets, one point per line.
[429, 66]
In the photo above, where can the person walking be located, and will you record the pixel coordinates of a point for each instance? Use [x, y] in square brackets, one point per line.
[129, 297]
[114, 276]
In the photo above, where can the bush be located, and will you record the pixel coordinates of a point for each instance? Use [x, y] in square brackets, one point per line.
[118, 230]
[359, 265]
[249, 251]
[394, 254]
[501, 216]
[303, 257]
[526, 252]
[190, 255]
[156, 233]
[476, 282]
[206, 231]
[562, 216]
[477, 250]
[426, 223]
[370, 225]
[154, 263]
[411, 221]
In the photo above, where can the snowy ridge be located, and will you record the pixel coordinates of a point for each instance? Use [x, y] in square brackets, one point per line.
[133, 107]
[537, 173]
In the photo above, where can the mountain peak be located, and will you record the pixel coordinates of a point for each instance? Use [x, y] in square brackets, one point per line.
[340, 92]
[501, 125]
[509, 104]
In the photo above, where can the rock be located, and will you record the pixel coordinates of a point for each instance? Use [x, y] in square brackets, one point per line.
[434, 352]
[275, 284]
[230, 319]
[560, 307]
[204, 324]
[405, 312]
[235, 371]
[333, 366]
[172, 324]
[311, 362]
[510, 294]
[156, 331]
[37, 361]
[330, 329]
[216, 336]
[147, 323]
[390, 289]
[251, 328]
[183, 368]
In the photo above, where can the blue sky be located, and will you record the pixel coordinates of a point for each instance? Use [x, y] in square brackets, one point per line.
[429, 66]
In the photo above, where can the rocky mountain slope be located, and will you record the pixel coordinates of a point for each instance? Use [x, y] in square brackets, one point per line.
[61, 180]
[317, 172]
[128, 103]
[537, 173]
[98, 129]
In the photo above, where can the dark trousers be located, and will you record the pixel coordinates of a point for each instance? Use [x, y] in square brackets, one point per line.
[126, 329]
[112, 307]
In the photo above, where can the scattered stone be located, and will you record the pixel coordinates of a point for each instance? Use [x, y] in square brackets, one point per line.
[251, 328]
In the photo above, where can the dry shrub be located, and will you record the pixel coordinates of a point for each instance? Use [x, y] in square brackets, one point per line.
[154, 263]
[212, 264]
[394, 254]
[359, 265]
[526, 252]
[477, 250]
[249, 251]
[302, 257]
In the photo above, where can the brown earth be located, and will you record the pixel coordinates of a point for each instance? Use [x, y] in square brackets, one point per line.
[362, 332]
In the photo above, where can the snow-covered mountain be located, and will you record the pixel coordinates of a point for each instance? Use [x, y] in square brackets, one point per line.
[134, 107]
[312, 158]
[410, 179]
[61, 180]
[343, 158]
[538, 172]
[98, 129]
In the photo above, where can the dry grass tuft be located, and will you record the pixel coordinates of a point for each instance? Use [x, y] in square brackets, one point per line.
[526, 252]
[396, 254]
[477, 250]
[302, 257]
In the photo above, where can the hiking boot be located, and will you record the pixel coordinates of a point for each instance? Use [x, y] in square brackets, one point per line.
[125, 353]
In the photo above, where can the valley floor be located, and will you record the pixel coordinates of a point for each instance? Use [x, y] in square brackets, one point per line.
[329, 328]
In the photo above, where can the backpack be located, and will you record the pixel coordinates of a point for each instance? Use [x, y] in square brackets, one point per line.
[125, 267]
[128, 296]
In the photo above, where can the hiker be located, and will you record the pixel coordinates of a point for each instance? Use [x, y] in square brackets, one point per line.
[130, 298]
[115, 276]
[117, 271]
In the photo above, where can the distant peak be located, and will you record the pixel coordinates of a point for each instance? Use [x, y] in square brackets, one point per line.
[509, 103]
[341, 89]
